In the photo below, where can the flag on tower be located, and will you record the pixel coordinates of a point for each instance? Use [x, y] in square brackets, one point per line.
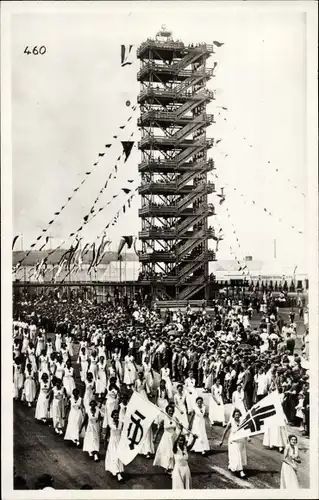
[138, 419]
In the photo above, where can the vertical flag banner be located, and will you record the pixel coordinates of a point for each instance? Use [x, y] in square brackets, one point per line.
[138, 418]
[262, 415]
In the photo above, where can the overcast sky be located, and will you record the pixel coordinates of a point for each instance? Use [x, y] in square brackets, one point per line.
[68, 103]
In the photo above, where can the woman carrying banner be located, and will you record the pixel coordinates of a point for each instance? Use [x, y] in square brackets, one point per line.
[164, 456]
[237, 456]
[113, 436]
[288, 477]
[181, 476]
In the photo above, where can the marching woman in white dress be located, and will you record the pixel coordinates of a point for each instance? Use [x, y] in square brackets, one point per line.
[113, 436]
[59, 367]
[83, 360]
[43, 364]
[164, 456]
[69, 344]
[25, 342]
[276, 436]
[101, 377]
[191, 393]
[116, 356]
[198, 426]
[40, 344]
[18, 378]
[30, 388]
[42, 407]
[112, 374]
[49, 348]
[58, 395]
[148, 373]
[91, 442]
[64, 352]
[140, 386]
[181, 406]
[93, 360]
[75, 418]
[68, 378]
[31, 357]
[58, 342]
[129, 370]
[165, 375]
[216, 404]
[237, 455]
[288, 476]
[89, 394]
[238, 400]
[181, 476]
[52, 364]
[111, 404]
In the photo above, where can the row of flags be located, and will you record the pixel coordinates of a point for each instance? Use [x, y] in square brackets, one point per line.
[140, 415]
[277, 170]
[266, 210]
[127, 148]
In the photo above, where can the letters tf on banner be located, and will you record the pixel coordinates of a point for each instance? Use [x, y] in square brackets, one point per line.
[266, 413]
[138, 419]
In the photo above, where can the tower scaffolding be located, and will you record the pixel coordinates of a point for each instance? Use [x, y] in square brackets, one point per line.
[174, 165]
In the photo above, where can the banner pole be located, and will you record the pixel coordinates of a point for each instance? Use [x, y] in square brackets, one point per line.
[172, 418]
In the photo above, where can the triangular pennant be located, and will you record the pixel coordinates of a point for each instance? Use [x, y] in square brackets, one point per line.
[101, 154]
[126, 190]
[108, 145]
[14, 240]
[127, 148]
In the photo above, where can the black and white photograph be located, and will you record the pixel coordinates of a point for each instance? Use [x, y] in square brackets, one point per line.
[159, 249]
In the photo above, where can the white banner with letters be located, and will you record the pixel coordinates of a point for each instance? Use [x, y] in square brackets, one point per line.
[138, 418]
[267, 412]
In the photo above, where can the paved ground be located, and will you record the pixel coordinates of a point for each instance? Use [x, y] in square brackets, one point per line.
[37, 450]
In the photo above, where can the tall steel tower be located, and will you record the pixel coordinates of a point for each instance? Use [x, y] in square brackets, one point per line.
[174, 166]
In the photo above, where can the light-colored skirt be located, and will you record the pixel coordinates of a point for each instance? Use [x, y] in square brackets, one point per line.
[275, 436]
[181, 477]
[216, 412]
[288, 477]
[237, 455]
[75, 421]
[164, 454]
[112, 462]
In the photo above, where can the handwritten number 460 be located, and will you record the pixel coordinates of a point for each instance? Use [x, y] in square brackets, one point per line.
[35, 50]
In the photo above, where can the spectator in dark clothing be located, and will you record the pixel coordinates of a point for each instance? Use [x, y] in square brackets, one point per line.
[248, 388]
[290, 344]
[307, 414]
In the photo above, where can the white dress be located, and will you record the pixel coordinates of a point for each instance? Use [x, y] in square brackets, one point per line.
[199, 427]
[129, 370]
[42, 407]
[59, 370]
[68, 380]
[91, 441]
[31, 358]
[147, 367]
[25, 343]
[164, 456]
[288, 476]
[58, 408]
[69, 345]
[40, 346]
[140, 387]
[112, 463]
[75, 420]
[89, 395]
[181, 476]
[276, 436]
[58, 342]
[112, 403]
[30, 388]
[238, 403]
[101, 378]
[237, 455]
[49, 349]
[17, 379]
[216, 411]
[83, 359]
[93, 366]
[148, 447]
[191, 393]
[165, 375]
[180, 409]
